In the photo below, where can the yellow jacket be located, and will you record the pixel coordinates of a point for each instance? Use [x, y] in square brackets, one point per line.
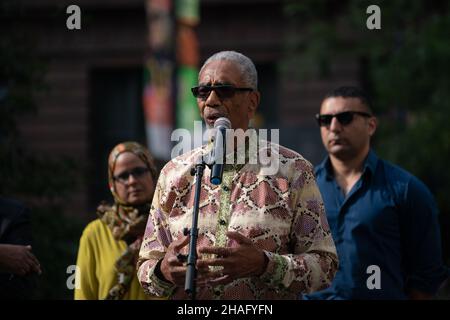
[97, 255]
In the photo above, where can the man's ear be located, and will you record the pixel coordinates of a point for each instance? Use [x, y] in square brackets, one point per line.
[373, 123]
[255, 97]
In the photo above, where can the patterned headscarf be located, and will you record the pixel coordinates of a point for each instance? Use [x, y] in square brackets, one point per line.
[121, 217]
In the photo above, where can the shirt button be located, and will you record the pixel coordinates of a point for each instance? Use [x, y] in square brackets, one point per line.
[225, 188]
[217, 292]
[222, 222]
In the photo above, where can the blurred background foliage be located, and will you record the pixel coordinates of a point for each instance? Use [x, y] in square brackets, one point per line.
[404, 67]
[41, 182]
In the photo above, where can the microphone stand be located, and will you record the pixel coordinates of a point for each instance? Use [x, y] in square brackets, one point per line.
[191, 272]
[216, 168]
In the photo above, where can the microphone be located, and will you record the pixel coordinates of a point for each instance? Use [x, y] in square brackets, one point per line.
[221, 125]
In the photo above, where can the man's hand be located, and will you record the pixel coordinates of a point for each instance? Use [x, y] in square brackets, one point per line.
[244, 260]
[172, 268]
[18, 260]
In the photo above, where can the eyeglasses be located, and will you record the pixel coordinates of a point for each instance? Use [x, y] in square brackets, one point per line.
[137, 173]
[224, 91]
[344, 118]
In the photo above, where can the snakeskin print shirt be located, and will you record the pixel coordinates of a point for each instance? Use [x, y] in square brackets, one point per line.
[282, 213]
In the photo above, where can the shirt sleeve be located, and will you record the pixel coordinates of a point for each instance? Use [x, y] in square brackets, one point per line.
[157, 239]
[421, 240]
[86, 283]
[313, 262]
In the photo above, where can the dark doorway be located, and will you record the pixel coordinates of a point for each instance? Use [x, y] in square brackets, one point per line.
[267, 113]
[116, 115]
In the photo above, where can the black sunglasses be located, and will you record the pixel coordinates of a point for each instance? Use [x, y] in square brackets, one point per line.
[344, 118]
[224, 91]
[137, 173]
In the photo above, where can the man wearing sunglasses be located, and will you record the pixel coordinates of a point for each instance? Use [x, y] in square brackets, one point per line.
[383, 219]
[261, 235]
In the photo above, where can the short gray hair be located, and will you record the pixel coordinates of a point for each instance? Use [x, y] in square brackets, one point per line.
[244, 63]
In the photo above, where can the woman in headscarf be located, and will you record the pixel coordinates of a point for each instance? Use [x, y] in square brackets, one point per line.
[110, 244]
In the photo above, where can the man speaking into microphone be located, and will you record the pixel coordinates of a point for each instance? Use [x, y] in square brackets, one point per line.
[262, 234]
